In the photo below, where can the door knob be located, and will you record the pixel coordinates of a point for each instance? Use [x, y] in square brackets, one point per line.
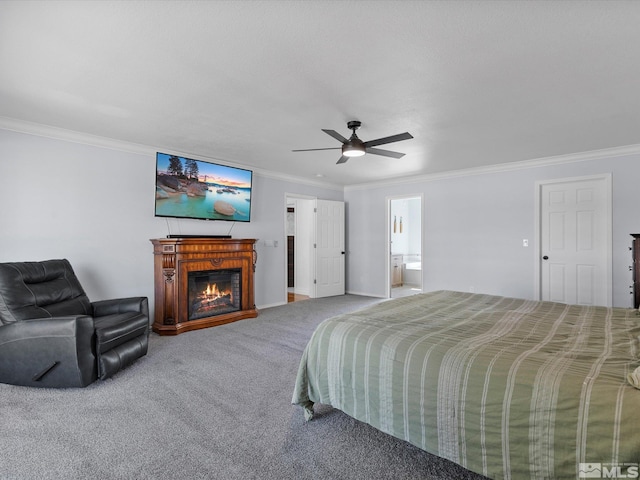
[545, 258]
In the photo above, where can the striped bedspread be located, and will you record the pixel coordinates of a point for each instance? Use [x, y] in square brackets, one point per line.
[507, 388]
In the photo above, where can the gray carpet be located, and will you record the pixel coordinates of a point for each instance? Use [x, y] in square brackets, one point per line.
[210, 404]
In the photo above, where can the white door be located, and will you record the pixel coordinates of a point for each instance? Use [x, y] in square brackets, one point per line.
[575, 241]
[329, 248]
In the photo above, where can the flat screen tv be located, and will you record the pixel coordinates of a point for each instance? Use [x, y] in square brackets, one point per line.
[187, 188]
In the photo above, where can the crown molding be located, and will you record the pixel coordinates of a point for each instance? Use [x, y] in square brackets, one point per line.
[298, 180]
[504, 167]
[48, 131]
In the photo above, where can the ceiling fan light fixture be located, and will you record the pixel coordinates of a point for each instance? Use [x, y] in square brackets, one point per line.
[353, 149]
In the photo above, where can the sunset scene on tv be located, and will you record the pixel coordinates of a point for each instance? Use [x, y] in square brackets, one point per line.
[187, 188]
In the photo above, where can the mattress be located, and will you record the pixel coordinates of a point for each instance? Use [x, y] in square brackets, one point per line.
[505, 387]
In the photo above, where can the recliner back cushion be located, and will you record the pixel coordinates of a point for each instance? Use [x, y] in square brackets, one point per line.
[40, 290]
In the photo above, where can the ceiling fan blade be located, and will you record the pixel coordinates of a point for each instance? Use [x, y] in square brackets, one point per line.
[343, 159]
[316, 149]
[391, 139]
[384, 153]
[335, 135]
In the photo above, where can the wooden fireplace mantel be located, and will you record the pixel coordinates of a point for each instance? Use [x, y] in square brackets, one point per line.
[174, 258]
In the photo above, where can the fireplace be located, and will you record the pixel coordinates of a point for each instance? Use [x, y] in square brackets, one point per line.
[213, 292]
[202, 282]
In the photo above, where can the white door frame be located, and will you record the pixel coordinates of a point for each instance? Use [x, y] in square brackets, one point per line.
[607, 178]
[389, 227]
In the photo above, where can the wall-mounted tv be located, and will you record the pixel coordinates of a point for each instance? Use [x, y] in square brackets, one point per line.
[187, 188]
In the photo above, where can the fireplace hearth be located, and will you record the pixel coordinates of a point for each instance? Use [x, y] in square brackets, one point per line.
[202, 282]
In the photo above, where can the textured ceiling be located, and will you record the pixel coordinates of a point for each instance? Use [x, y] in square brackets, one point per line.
[475, 82]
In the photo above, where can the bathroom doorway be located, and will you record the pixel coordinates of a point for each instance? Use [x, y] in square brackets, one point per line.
[405, 245]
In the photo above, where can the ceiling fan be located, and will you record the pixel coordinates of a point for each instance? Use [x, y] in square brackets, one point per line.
[354, 147]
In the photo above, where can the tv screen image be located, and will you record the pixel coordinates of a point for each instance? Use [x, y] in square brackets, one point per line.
[187, 188]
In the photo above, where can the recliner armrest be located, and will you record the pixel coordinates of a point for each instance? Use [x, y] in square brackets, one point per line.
[121, 305]
[79, 325]
[46, 352]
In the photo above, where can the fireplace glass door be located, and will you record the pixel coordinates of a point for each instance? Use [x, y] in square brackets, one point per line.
[214, 292]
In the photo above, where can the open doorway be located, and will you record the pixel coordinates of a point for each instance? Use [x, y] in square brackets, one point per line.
[299, 212]
[405, 245]
[315, 248]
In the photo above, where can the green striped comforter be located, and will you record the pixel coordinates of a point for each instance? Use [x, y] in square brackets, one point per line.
[505, 387]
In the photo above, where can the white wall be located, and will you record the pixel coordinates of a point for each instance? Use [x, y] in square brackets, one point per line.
[407, 210]
[399, 215]
[474, 226]
[95, 206]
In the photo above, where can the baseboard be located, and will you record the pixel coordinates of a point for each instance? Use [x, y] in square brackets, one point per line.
[270, 305]
[363, 294]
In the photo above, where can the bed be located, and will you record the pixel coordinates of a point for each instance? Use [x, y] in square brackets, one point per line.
[504, 387]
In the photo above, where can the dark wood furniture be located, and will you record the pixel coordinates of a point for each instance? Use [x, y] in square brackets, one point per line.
[291, 269]
[175, 258]
[635, 268]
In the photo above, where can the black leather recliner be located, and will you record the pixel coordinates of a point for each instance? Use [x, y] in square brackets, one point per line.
[51, 335]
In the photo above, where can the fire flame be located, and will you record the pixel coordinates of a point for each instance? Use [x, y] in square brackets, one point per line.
[214, 292]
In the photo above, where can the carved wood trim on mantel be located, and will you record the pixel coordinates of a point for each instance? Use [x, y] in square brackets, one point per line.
[174, 258]
[216, 262]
